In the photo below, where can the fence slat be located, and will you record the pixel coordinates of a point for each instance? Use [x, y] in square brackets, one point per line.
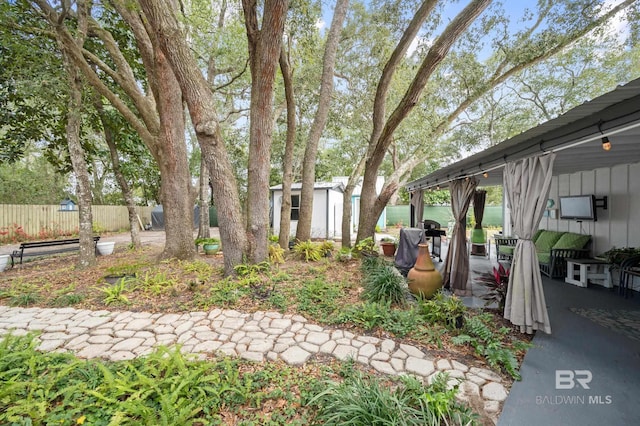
[48, 218]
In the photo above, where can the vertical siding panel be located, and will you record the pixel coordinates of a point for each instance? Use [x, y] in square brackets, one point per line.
[634, 205]
[602, 233]
[588, 187]
[619, 206]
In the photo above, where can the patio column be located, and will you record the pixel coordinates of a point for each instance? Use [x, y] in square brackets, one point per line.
[456, 268]
[527, 183]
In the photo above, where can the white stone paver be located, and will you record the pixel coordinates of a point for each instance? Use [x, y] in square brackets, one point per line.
[259, 337]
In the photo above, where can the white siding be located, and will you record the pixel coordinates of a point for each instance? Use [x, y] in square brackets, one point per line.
[327, 210]
[319, 215]
[619, 225]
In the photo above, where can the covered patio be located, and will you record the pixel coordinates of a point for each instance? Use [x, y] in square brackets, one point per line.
[593, 332]
[581, 166]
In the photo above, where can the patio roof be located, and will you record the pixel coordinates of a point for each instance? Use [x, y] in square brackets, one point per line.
[575, 137]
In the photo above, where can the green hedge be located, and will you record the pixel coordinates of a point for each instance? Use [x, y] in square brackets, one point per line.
[442, 215]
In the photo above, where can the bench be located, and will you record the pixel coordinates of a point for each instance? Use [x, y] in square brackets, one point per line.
[70, 244]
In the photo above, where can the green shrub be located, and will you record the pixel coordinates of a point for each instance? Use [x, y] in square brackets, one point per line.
[362, 400]
[366, 247]
[368, 315]
[158, 283]
[488, 344]
[344, 254]
[164, 388]
[115, 293]
[276, 253]
[442, 309]
[384, 284]
[308, 251]
[244, 269]
[326, 248]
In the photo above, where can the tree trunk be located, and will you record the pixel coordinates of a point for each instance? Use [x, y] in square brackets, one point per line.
[264, 51]
[176, 189]
[303, 231]
[76, 152]
[287, 162]
[87, 255]
[127, 194]
[201, 103]
[203, 202]
[165, 140]
[347, 211]
[371, 205]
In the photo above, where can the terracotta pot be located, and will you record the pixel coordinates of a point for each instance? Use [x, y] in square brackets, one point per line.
[388, 249]
[424, 279]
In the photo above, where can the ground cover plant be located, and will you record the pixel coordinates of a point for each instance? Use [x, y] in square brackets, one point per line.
[362, 294]
[169, 388]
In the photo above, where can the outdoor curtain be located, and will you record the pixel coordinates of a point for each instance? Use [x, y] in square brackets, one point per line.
[417, 201]
[526, 184]
[479, 198]
[456, 268]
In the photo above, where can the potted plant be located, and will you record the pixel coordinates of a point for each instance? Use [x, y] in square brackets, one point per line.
[344, 254]
[210, 245]
[388, 245]
[105, 248]
[497, 284]
[4, 260]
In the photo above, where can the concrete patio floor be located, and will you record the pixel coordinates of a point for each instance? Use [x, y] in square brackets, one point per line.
[596, 333]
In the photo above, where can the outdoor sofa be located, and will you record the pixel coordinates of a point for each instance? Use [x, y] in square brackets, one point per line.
[552, 248]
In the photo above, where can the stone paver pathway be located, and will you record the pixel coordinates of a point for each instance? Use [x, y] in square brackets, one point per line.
[258, 336]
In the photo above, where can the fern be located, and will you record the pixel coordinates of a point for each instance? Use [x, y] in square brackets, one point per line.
[489, 345]
[308, 251]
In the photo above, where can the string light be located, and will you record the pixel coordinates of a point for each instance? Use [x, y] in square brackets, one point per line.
[606, 144]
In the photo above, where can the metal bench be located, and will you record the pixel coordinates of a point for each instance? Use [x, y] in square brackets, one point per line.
[70, 244]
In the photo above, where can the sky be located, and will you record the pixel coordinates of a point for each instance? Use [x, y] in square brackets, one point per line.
[514, 9]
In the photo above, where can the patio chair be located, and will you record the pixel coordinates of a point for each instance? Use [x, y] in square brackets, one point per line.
[504, 247]
[629, 268]
[479, 243]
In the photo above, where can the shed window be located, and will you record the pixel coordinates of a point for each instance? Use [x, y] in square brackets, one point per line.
[295, 207]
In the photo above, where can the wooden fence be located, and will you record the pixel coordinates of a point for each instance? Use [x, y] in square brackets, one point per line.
[49, 219]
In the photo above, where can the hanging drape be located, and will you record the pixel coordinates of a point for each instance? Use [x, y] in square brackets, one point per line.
[478, 236]
[456, 268]
[479, 198]
[417, 201]
[526, 184]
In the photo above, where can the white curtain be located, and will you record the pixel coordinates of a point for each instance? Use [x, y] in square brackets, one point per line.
[417, 200]
[527, 183]
[456, 268]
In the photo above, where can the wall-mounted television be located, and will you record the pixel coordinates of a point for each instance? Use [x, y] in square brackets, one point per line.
[578, 207]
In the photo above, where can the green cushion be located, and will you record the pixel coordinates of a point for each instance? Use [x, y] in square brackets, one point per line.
[478, 236]
[546, 240]
[544, 257]
[537, 234]
[506, 249]
[572, 241]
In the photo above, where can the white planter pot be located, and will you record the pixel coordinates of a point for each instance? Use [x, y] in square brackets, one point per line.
[4, 261]
[105, 247]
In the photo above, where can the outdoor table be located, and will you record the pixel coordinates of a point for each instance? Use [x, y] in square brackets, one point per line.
[581, 271]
